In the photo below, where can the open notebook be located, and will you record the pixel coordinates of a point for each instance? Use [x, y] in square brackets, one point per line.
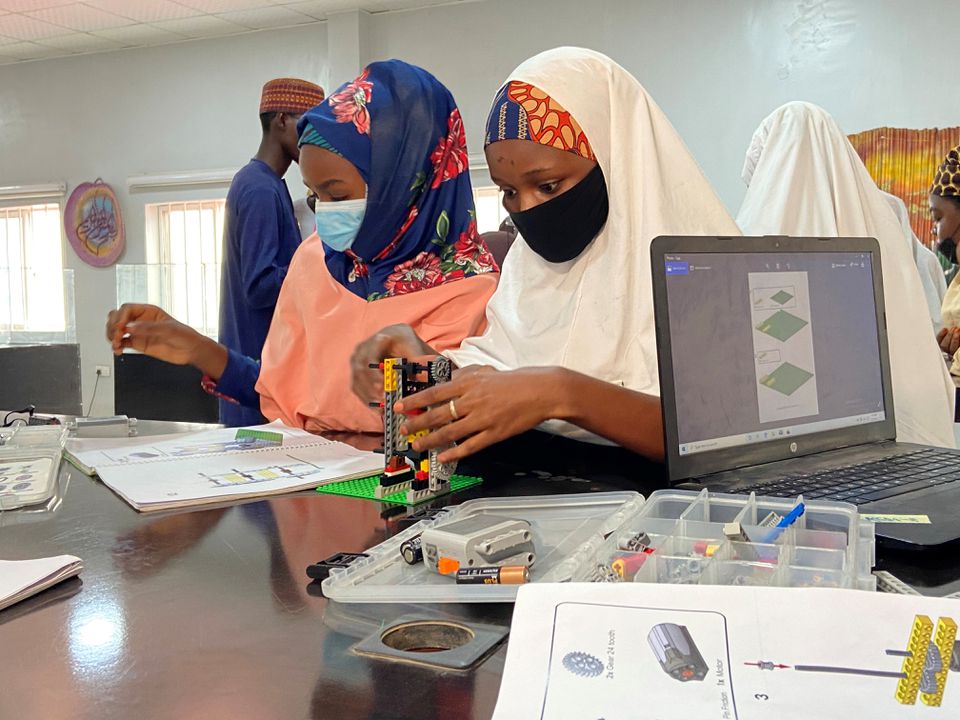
[20, 579]
[213, 466]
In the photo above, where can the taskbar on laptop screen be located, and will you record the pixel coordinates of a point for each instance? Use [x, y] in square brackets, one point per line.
[698, 446]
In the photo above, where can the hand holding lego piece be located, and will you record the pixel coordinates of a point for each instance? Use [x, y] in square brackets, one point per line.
[480, 406]
[152, 331]
[392, 341]
[407, 468]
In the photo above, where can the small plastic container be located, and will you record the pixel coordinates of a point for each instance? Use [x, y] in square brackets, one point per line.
[586, 538]
[29, 464]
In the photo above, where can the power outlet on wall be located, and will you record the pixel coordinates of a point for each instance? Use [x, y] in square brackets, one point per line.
[103, 370]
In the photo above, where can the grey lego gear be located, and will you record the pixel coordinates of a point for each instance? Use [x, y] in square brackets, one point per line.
[582, 664]
[440, 370]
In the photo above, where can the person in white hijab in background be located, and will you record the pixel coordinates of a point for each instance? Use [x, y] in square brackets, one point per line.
[931, 272]
[570, 342]
[805, 179]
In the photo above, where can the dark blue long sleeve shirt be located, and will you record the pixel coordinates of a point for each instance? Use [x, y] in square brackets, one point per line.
[260, 237]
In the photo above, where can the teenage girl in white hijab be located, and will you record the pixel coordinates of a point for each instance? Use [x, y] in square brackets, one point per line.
[931, 273]
[591, 171]
[805, 178]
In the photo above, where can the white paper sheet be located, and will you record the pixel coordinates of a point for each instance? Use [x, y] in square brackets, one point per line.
[605, 651]
[212, 466]
[20, 579]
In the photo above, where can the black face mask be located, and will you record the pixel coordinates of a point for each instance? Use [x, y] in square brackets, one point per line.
[948, 248]
[562, 228]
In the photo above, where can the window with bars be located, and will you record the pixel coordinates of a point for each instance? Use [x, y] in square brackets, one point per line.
[32, 295]
[187, 238]
[489, 204]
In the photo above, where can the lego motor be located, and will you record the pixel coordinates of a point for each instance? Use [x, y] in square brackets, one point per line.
[676, 652]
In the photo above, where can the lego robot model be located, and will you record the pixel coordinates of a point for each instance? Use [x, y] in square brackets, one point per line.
[405, 469]
[677, 653]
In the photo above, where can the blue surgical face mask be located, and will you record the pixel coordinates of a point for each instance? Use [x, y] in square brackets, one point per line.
[339, 222]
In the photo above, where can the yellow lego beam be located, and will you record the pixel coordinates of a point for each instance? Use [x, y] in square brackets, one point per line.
[391, 377]
[944, 638]
[908, 687]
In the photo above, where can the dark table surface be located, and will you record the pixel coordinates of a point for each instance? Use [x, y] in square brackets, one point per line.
[209, 614]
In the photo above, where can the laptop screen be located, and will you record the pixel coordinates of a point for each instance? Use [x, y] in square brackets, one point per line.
[771, 345]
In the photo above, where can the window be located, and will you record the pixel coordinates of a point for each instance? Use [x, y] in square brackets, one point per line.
[187, 238]
[490, 212]
[33, 303]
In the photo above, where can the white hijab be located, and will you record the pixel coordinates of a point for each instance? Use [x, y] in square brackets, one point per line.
[594, 314]
[931, 273]
[805, 178]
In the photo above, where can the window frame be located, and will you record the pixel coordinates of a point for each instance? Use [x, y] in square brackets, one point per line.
[29, 201]
[164, 288]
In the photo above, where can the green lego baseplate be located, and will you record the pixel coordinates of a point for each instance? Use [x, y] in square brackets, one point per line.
[364, 488]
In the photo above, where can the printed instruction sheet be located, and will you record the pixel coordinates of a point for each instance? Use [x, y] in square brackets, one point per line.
[783, 345]
[669, 652]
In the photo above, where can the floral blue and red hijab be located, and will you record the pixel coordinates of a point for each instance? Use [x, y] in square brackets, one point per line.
[401, 129]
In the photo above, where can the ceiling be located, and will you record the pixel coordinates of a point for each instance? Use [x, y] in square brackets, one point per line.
[39, 29]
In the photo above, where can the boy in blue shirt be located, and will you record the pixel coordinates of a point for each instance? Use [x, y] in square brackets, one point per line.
[260, 230]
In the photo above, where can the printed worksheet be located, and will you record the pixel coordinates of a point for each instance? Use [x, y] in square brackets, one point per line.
[218, 465]
[678, 652]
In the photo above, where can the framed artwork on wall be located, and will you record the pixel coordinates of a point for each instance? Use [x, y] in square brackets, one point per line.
[94, 223]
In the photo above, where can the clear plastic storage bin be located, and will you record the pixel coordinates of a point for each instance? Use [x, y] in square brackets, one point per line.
[581, 538]
[29, 463]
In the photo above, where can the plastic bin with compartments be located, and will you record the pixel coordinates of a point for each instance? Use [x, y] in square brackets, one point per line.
[29, 463]
[684, 537]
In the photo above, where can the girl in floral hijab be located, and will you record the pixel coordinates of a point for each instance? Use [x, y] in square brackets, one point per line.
[402, 131]
[396, 242]
[409, 252]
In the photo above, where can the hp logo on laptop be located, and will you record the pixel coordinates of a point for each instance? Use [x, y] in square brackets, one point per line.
[793, 447]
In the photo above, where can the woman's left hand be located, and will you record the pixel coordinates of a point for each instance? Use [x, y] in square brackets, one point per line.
[484, 406]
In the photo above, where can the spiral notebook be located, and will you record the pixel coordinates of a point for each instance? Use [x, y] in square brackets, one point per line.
[215, 466]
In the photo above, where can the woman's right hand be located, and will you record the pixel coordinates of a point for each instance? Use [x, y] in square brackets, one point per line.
[150, 330]
[949, 339]
[392, 341]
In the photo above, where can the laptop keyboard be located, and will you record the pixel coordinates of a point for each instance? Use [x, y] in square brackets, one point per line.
[859, 484]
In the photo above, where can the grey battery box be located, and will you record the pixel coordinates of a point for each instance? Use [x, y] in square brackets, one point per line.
[480, 541]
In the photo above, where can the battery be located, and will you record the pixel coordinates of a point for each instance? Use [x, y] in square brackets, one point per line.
[507, 575]
[412, 550]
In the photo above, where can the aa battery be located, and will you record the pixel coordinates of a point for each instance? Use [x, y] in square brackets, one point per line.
[507, 575]
[412, 551]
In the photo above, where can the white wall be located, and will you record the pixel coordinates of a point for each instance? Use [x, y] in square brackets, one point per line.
[716, 68]
[189, 106]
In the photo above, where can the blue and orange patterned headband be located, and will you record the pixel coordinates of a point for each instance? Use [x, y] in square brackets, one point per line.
[523, 112]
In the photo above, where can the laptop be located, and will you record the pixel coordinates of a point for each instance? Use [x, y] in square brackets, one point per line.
[775, 378]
